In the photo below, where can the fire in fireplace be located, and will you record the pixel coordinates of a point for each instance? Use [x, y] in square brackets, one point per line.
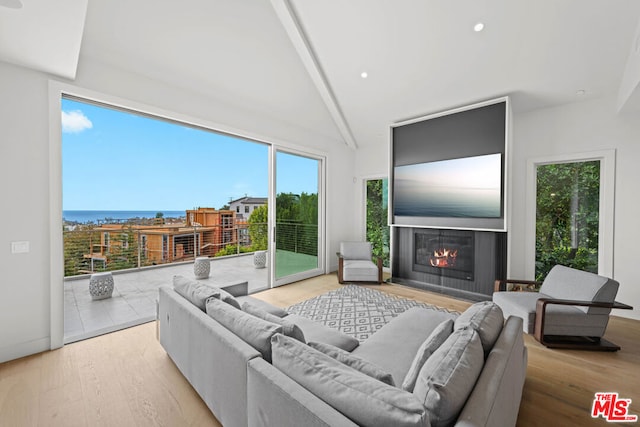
[448, 253]
[444, 258]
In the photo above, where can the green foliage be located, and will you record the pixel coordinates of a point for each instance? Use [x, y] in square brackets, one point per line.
[122, 252]
[377, 228]
[76, 244]
[233, 250]
[297, 223]
[258, 232]
[567, 216]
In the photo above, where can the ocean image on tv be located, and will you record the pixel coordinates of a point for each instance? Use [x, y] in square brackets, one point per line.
[459, 188]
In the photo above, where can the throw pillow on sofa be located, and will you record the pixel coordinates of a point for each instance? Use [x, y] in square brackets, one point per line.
[486, 318]
[355, 362]
[365, 400]
[254, 331]
[428, 347]
[195, 292]
[447, 378]
[290, 329]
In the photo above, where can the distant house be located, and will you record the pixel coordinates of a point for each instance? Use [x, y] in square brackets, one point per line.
[245, 205]
[205, 232]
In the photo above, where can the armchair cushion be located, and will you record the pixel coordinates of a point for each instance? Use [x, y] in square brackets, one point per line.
[519, 304]
[568, 283]
[360, 271]
[356, 250]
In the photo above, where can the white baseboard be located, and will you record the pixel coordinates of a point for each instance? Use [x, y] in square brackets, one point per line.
[24, 349]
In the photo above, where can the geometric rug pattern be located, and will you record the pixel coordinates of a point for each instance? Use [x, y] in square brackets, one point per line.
[356, 310]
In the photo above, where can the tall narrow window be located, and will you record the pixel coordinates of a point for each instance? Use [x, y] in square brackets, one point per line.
[377, 224]
[567, 216]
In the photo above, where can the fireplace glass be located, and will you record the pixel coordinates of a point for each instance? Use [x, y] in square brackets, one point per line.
[447, 253]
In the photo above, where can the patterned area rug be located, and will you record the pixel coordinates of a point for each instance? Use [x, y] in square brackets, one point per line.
[356, 310]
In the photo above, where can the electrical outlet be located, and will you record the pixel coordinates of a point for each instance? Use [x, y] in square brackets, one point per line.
[20, 247]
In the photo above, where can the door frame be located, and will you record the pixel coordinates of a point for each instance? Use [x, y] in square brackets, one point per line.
[321, 268]
[607, 160]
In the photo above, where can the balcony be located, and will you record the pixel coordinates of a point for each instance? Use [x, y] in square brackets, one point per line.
[135, 293]
[140, 267]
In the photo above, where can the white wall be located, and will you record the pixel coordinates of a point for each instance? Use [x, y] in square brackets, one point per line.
[573, 128]
[578, 128]
[25, 283]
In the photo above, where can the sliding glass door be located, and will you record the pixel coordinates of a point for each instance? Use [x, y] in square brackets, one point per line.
[296, 241]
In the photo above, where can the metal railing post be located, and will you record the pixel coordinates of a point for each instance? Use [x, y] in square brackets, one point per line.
[139, 250]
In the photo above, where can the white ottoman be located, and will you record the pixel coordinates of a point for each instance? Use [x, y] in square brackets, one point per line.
[202, 267]
[101, 285]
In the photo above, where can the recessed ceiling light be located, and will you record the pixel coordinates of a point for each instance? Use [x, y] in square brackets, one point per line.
[478, 27]
[581, 92]
[12, 4]
[364, 75]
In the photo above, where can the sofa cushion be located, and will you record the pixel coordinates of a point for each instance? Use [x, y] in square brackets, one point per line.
[195, 292]
[407, 331]
[317, 332]
[355, 362]
[228, 298]
[254, 331]
[365, 400]
[447, 378]
[428, 347]
[269, 308]
[486, 318]
[290, 329]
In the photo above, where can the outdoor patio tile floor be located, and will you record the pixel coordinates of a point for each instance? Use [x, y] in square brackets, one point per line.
[135, 294]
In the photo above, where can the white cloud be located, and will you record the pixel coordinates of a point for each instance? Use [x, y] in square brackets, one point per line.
[75, 122]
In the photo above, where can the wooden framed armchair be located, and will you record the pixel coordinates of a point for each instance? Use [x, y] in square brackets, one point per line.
[570, 309]
[355, 263]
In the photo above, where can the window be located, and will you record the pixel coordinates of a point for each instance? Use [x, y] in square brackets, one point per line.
[567, 216]
[246, 209]
[376, 221]
[571, 217]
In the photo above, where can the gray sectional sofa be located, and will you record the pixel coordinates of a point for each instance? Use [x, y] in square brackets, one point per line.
[255, 365]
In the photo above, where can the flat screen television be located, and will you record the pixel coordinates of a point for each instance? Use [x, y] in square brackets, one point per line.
[468, 187]
[448, 169]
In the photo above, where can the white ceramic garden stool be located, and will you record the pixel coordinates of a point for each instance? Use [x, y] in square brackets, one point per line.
[202, 267]
[101, 285]
[260, 259]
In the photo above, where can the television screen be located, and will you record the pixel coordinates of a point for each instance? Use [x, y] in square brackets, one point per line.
[468, 187]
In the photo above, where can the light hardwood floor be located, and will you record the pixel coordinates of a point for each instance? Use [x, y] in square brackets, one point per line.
[126, 379]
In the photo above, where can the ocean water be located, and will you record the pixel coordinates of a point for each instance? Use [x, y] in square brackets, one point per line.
[83, 217]
[419, 200]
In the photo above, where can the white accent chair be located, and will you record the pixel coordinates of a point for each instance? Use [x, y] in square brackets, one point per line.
[570, 310]
[355, 263]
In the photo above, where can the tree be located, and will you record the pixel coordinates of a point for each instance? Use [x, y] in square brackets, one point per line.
[567, 216]
[258, 232]
[297, 222]
[377, 228]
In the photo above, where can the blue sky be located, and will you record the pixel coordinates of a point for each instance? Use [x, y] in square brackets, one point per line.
[112, 160]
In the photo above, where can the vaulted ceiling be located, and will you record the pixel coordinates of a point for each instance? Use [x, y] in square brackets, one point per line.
[302, 61]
